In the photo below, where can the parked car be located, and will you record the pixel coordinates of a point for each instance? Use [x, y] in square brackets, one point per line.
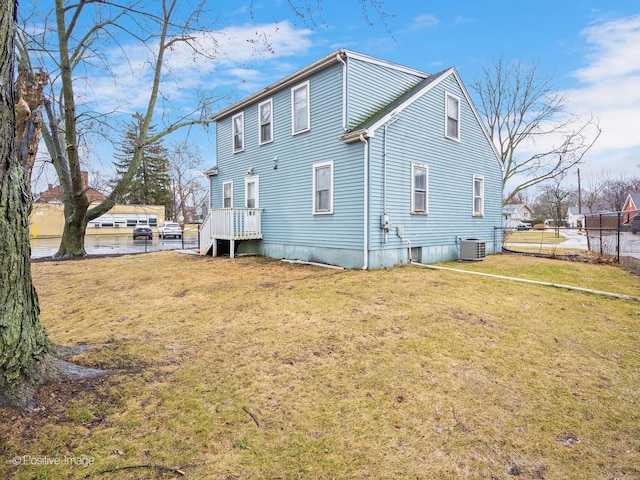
[635, 224]
[142, 231]
[170, 229]
[523, 226]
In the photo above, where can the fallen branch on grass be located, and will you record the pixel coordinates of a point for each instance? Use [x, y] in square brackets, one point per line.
[255, 419]
[130, 467]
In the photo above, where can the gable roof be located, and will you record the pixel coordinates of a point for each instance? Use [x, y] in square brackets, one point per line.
[390, 110]
[54, 194]
[332, 58]
[384, 115]
[573, 211]
[511, 208]
[635, 199]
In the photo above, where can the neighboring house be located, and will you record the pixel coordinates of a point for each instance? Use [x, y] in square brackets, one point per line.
[631, 207]
[357, 162]
[575, 216]
[47, 219]
[47, 215]
[512, 213]
[54, 193]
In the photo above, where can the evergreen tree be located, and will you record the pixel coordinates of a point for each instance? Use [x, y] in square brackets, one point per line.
[150, 184]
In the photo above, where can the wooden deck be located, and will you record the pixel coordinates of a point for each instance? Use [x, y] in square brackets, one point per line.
[231, 224]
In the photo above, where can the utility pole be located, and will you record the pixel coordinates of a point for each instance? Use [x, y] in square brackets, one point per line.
[579, 195]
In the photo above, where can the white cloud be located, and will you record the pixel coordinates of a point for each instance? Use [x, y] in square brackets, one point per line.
[427, 20]
[244, 44]
[615, 50]
[609, 89]
[242, 57]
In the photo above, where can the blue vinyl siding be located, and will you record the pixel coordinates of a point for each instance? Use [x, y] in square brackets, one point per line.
[371, 87]
[417, 134]
[286, 193]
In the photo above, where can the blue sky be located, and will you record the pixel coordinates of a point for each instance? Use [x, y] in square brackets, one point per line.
[590, 47]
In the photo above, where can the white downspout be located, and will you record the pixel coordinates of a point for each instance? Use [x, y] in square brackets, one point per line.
[402, 239]
[366, 203]
[384, 171]
[344, 92]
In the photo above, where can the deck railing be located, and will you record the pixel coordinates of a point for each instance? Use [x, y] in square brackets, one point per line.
[230, 224]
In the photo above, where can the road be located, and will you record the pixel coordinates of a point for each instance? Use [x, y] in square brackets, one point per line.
[124, 244]
[575, 239]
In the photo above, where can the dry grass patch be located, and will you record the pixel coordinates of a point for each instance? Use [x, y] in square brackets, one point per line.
[250, 368]
[607, 278]
[532, 236]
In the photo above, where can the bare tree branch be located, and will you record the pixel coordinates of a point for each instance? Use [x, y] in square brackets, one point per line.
[77, 43]
[522, 110]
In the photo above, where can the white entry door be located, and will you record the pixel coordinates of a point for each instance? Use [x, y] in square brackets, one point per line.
[251, 201]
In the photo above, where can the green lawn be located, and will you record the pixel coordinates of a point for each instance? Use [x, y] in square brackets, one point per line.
[254, 369]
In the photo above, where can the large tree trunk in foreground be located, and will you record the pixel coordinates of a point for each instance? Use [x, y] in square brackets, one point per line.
[26, 355]
[29, 91]
[23, 341]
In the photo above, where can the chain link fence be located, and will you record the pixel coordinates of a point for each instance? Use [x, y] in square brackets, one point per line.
[608, 236]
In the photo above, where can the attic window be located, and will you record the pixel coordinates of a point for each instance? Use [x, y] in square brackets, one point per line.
[300, 117]
[238, 132]
[452, 125]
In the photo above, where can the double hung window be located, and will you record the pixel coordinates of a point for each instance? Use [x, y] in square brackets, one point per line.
[452, 125]
[265, 114]
[227, 194]
[419, 188]
[323, 188]
[238, 132]
[300, 117]
[478, 196]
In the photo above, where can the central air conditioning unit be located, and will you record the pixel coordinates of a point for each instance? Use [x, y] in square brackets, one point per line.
[472, 250]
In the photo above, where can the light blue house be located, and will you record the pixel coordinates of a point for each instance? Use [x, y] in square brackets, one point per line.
[356, 162]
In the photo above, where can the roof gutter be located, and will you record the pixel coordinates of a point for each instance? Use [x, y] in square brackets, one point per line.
[356, 136]
[285, 82]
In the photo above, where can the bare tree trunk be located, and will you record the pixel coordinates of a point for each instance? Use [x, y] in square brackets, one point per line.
[23, 341]
[72, 242]
[27, 358]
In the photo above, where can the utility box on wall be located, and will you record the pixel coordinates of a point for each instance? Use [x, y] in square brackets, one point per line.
[472, 250]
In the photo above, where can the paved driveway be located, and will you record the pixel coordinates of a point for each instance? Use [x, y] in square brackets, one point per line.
[114, 244]
[629, 245]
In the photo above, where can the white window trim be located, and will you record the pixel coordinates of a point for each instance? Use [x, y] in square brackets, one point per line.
[448, 95]
[260, 141]
[293, 108]
[413, 177]
[313, 201]
[223, 184]
[233, 132]
[257, 181]
[473, 195]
